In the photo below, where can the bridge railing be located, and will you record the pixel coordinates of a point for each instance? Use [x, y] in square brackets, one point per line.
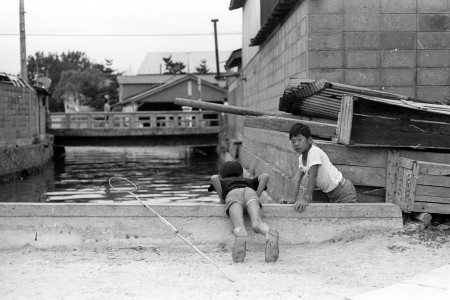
[124, 120]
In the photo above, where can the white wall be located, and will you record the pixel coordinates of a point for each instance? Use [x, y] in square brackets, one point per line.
[250, 26]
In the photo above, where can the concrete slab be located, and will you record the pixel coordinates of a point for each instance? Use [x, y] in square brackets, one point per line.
[92, 225]
[432, 285]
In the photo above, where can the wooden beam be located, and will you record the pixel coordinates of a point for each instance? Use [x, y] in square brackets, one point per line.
[345, 120]
[391, 174]
[230, 109]
[323, 130]
[439, 208]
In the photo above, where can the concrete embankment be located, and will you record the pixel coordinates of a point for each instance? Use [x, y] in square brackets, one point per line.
[99, 225]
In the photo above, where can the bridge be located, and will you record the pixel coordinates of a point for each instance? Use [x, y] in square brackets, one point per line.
[193, 128]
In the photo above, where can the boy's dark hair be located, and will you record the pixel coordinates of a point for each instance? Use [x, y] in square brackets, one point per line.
[300, 128]
[231, 169]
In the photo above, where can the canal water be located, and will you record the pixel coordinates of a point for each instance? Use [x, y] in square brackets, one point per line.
[161, 174]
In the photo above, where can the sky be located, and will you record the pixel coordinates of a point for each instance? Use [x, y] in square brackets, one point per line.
[124, 31]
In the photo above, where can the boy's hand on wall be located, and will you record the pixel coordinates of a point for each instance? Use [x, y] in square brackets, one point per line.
[300, 205]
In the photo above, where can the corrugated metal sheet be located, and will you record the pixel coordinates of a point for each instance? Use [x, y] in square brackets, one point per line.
[321, 98]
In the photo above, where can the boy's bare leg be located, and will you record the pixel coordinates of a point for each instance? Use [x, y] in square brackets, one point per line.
[254, 212]
[271, 234]
[236, 213]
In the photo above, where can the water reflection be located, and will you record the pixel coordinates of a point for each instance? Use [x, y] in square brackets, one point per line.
[161, 174]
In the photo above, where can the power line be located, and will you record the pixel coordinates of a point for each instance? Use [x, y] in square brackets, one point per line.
[119, 35]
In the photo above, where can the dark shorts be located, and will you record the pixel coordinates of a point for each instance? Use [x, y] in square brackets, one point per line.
[243, 196]
[344, 193]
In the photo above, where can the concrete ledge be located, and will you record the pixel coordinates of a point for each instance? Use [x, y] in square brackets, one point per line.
[96, 225]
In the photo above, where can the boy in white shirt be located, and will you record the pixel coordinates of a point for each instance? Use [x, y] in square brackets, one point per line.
[315, 169]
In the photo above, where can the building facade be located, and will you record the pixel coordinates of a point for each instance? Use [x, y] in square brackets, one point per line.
[399, 46]
[24, 144]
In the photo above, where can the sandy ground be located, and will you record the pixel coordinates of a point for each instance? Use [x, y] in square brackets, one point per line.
[330, 270]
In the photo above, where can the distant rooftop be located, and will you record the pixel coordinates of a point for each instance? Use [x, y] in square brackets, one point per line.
[153, 62]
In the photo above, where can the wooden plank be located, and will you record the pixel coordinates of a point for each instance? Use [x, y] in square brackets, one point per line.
[429, 156]
[405, 163]
[371, 108]
[322, 130]
[438, 208]
[352, 156]
[433, 191]
[366, 176]
[434, 168]
[378, 138]
[345, 119]
[413, 185]
[403, 125]
[430, 199]
[400, 190]
[237, 110]
[391, 174]
[433, 180]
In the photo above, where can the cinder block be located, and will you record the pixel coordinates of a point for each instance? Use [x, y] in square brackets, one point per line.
[325, 23]
[433, 58]
[362, 40]
[432, 6]
[326, 6]
[398, 40]
[398, 77]
[362, 77]
[326, 41]
[362, 59]
[433, 40]
[439, 76]
[362, 6]
[336, 75]
[401, 6]
[362, 22]
[398, 22]
[434, 22]
[432, 94]
[398, 59]
[325, 59]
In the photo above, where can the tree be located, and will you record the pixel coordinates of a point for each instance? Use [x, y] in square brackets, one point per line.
[53, 65]
[173, 67]
[202, 68]
[88, 85]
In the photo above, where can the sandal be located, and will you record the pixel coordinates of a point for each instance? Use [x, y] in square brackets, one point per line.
[239, 248]
[272, 250]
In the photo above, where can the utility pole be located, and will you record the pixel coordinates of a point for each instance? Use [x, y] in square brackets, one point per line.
[23, 47]
[217, 48]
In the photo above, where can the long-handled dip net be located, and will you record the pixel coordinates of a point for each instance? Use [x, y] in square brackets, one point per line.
[120, 184]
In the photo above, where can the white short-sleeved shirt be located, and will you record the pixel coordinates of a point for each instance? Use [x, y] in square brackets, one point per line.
[328, 177]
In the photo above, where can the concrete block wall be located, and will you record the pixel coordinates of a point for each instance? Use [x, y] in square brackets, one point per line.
[19, 116]
[397, 46]
[22, 148]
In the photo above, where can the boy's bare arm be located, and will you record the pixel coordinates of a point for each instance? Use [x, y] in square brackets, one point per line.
[294, 186]
[263, 180]
[307, 196]
[215, 181]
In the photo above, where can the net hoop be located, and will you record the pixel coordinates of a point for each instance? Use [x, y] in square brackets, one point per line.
[119, 189]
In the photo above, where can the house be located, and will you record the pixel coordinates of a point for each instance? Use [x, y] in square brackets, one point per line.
[157, 92]
[397, 47]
